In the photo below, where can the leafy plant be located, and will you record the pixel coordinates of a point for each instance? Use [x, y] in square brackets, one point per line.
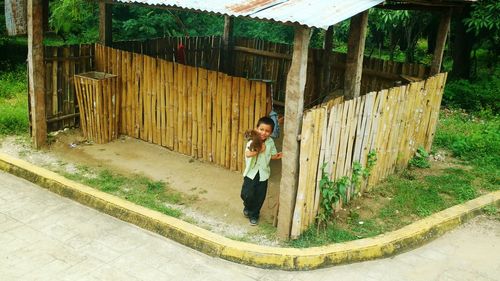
[75, 20]
[370, 163]
[485, 20]
[334, 191]
[490, 210]
[421, 159]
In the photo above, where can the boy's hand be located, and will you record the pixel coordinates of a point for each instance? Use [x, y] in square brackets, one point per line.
[277, 156]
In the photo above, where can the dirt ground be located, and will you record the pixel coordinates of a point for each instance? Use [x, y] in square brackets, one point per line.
[218, 207]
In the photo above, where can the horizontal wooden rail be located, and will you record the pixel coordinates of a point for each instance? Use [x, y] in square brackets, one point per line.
[47, 59]
[262, 53]
[63, 117]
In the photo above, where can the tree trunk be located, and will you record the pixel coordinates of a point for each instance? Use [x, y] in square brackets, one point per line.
[461, 46]
[431, 34]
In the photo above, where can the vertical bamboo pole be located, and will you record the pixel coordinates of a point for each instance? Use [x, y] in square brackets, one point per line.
[241, 125]
[235, 118]
[171, 93]
[200, 84]
[212, 78]
[203, 85]
[224, 120]
[190, 78]
[228, 119]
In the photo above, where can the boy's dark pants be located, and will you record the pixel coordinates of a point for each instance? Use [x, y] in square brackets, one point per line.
[253, 193]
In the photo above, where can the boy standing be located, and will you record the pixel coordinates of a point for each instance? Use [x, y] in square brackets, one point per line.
[257, 170]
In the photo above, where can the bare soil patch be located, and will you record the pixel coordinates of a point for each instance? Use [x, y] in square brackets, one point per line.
[215, 191]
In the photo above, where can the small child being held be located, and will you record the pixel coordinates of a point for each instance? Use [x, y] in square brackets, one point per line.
[257, 170]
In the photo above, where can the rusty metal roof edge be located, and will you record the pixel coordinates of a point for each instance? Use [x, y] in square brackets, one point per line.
[327, 20]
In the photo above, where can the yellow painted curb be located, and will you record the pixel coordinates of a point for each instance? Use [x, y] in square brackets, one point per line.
[213, 244]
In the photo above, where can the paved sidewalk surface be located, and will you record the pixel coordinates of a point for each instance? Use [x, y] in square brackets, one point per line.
[47, 237]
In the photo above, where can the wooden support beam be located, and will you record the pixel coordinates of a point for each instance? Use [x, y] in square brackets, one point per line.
[36, 73]
[262, 53]
[444, 26]
[105, 23]
[355, 52]
[294, 106]
[228, 46]
[327, 54]
[46, 11]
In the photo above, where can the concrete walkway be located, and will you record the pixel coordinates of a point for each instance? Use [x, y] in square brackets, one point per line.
[47, 237]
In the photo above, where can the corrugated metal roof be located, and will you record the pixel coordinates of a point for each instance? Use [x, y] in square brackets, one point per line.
[312, 13]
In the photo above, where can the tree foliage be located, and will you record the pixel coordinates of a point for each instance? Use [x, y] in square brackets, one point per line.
[485, 17]
[484, 22]
[75, 20]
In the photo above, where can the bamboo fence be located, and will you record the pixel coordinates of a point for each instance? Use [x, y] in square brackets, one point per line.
[393, 122]
[190, 110]
[253, 59]
[61, 64]
[98, 101]
[264, 60]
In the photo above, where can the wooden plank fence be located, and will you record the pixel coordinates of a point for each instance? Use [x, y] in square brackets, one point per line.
[264, 60]
[198, 51]
[190, 110]
[393, 122]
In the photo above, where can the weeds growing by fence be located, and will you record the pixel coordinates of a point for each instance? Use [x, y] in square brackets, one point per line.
[13, 102]
[334, 191]
[420, 160]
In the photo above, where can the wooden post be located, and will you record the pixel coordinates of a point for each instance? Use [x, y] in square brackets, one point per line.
[228, 46]
[36, 73]
[294, 106]
[355, 52]
[105, 23]
[327, 47]
[444, 26]
[46, 10]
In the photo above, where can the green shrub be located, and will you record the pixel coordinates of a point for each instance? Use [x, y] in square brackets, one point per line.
[474, 95]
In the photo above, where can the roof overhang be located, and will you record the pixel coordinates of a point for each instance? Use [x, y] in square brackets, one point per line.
[312, 13]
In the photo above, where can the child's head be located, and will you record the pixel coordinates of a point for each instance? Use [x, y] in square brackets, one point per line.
[265, 127]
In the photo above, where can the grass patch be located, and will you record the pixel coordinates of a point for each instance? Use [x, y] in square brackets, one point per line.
[314, 237]
[13, 102]
[492, 212]
[474, 138]
[138, 189]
